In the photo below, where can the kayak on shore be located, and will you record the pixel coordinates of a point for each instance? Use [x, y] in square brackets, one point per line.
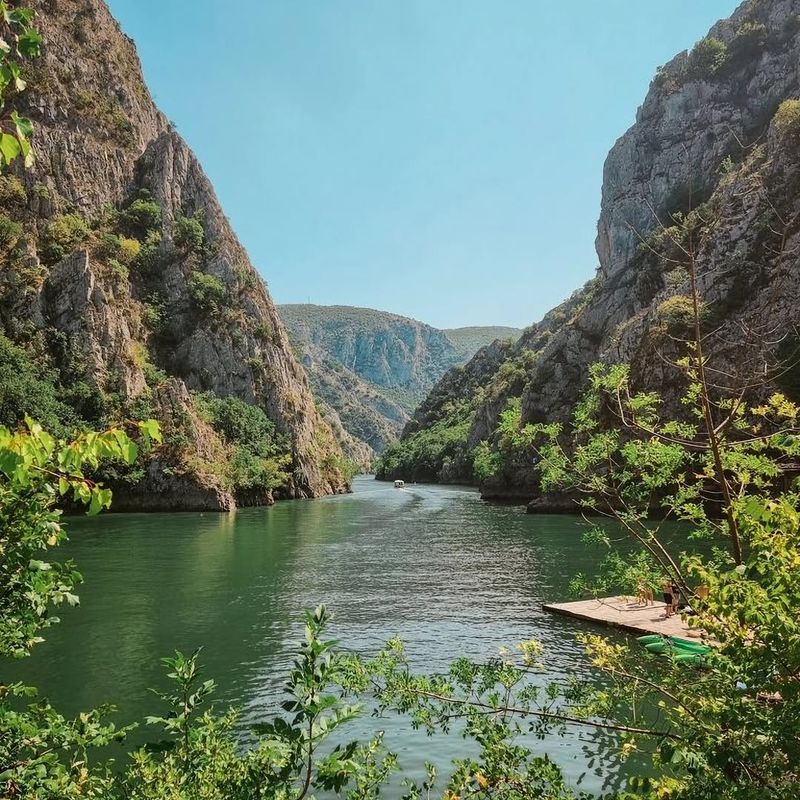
[685, 651]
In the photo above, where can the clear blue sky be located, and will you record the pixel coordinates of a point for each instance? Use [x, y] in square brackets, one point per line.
[436, 158]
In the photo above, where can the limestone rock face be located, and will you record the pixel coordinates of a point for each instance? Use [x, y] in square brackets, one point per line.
[386, 350]
[686, 128]
[373, 367]
[100, 141]
[76, 302]
[673, 160]
[705, 145]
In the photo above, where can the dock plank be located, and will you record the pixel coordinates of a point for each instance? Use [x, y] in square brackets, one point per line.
[626, 614]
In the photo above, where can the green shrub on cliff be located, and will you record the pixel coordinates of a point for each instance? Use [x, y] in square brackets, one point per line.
[30, 389]
[141, 216]
[676, 314]
[706, 58]
[10, 234]
[188, 233]
[208, 292]
[12, 192]
[422, 455]
[749, 40]
[511, 447]
[486, 462]
[150, 258]
[787, 121]
[261, 455]
[62, 236]
[121, 248]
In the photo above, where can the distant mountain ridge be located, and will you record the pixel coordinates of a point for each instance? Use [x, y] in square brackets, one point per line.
[467, 341]
[372, 368]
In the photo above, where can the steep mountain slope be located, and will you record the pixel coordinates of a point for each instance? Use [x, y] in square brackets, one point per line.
[122, 275]
[467, 341]
[711, 165]
[373, 367]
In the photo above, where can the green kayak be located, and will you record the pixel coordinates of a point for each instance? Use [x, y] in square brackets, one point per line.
[671, 644]
[690, 658]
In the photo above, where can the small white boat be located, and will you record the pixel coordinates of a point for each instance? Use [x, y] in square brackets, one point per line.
[399, 484]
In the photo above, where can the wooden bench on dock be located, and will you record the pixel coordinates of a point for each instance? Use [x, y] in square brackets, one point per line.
[626, 613]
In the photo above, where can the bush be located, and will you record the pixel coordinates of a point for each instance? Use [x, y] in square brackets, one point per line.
[150, 256]
[10, 233]
[152, 315]
[245, 277]
[123, 249]
[63, 235]
[129, 250]
[153, 375]
[749, 40]
[109, 245]
[486, 463]
[676, 313]
[242, 423]
[248, 472]
[787, 120]
[264, 331]
[422, 455]
[706, 58]
[141, 216]
[189, 234]
[12, 192]
[29, 388]
[261, 455]
[118, 269]
[208, 292]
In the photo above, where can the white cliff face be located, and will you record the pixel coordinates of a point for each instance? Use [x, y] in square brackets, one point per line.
[99, 140]
[687, 126]
[672, 160]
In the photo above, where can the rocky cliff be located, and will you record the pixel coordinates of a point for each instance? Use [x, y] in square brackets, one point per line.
[372, 368]
[711, 165]
[122, 275]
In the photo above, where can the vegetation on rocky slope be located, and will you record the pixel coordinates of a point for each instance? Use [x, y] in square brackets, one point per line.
[124, 293]
[442, 442]
[692, 168]
[373, 368]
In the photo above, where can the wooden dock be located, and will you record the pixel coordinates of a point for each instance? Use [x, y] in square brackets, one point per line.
[626, 614]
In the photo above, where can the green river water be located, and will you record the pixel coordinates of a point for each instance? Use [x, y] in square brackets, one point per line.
[447, 572]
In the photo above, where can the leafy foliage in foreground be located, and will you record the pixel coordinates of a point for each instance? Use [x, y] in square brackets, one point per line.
[42, 754]
[36, 470]
[20, 40]
[736, 718]
[201, 756]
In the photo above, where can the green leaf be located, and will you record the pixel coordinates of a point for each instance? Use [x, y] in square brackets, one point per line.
[9, 147]
[130, 452]
[29, 43]
[23, 125]
[151, 429]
